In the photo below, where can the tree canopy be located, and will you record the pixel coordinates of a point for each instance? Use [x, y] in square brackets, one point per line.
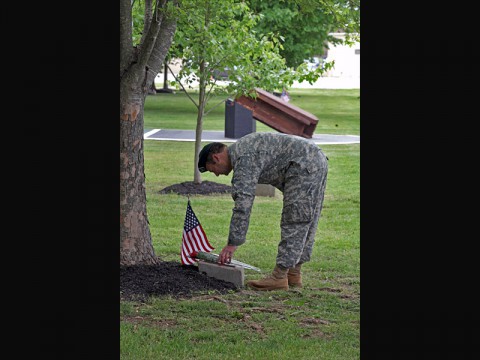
[220, 35]
[305, 25]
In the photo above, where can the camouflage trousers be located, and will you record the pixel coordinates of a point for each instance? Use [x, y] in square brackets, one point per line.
[302, 205]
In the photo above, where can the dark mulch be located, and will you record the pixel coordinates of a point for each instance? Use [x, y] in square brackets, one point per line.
[190, 188]
[168, 278]
[140, 282]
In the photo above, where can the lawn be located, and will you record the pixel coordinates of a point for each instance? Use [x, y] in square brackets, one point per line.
[322, 321]
[337, 111]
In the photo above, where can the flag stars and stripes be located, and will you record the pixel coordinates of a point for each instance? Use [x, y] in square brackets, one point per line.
[194, 238]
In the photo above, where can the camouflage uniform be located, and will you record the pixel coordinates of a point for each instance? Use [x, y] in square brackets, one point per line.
[298, 168]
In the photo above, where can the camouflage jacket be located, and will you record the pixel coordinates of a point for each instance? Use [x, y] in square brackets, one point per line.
[263, 158]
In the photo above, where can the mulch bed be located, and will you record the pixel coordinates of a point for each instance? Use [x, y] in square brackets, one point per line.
[190, 188]
[140, 282]
[168, 278]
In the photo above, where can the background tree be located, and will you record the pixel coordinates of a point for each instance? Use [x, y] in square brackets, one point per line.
[305, 25]
[142, 53]
[218, 35]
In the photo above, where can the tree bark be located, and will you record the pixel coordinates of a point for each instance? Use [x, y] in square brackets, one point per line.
[197, 177]
[165, 76]
[138, 68]
[135, 237]
[153, 88]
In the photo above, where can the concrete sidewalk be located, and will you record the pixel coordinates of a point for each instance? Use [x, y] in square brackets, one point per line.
[209, 136]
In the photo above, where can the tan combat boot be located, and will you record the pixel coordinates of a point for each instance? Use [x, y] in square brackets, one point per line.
[276, 281]
[294, 276]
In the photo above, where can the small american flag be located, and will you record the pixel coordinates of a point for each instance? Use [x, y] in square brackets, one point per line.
[194, 238]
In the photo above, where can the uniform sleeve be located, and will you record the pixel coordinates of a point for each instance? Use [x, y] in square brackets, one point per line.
[244, 183]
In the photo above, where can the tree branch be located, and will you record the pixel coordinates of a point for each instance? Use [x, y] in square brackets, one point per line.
[213, 107]
[150, 38]
[183, 87]
[148, 18]
[126, 43]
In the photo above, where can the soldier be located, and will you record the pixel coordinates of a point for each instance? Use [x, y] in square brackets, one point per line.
[294, 165]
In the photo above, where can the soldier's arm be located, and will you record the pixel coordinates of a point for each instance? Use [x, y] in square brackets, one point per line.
[244, 183]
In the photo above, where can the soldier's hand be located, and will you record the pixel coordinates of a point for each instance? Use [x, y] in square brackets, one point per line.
[226, 254]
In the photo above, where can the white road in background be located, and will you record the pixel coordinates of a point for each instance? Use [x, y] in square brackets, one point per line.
[189, 135]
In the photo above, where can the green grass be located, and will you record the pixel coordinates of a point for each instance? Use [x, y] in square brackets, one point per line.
[337, 111]
[322, 321]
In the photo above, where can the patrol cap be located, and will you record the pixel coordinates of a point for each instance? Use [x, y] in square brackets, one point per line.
[202, 158]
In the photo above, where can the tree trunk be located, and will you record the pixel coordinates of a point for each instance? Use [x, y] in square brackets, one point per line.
[135, 237]
[153, 89]
[138, 67]
[165, 76]
[197, 177]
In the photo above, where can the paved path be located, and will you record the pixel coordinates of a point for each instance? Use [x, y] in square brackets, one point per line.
[189, 135]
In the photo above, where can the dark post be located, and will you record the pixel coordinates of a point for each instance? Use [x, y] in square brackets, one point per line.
[239, 120]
